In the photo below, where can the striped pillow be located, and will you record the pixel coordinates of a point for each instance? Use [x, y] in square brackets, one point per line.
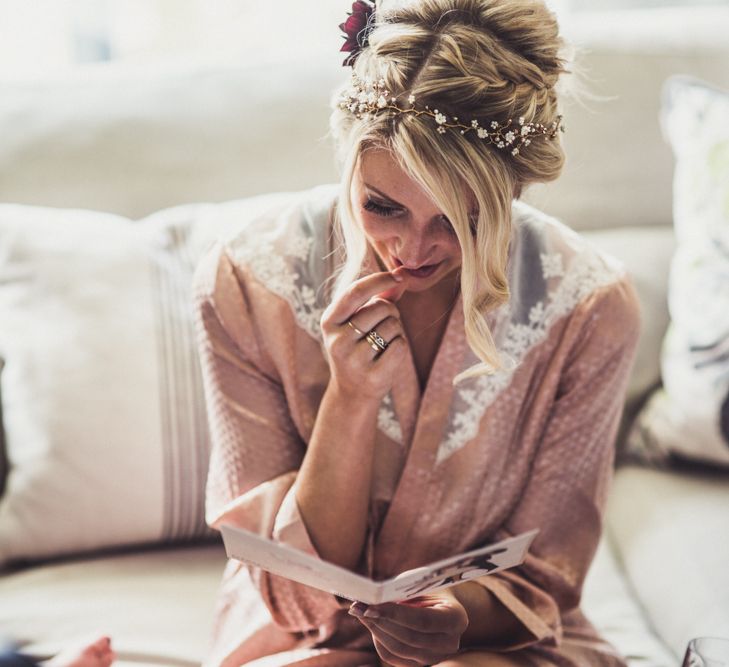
[102, 399]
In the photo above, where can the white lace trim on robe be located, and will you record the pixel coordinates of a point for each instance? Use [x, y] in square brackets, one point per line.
[551, 270]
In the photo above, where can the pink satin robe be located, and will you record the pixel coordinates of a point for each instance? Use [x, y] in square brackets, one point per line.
[456, 467]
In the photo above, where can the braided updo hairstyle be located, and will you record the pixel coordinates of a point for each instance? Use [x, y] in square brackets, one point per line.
[474, 59]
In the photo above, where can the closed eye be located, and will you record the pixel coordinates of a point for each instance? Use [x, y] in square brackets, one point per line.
[379, 209]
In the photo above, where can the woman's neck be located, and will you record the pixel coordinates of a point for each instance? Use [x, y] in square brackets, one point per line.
[425, 317]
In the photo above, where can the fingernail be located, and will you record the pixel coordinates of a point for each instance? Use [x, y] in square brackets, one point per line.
[357, 609]
[371, 613]
[397, 276]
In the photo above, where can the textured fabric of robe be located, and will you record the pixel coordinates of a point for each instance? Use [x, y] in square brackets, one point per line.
[455, 467]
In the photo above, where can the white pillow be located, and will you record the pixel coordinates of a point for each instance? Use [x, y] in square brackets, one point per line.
[689, 415]
[103, 408]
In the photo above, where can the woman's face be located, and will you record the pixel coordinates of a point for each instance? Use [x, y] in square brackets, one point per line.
[402, 224]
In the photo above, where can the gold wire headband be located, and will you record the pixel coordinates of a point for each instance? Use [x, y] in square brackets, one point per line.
[367, 97]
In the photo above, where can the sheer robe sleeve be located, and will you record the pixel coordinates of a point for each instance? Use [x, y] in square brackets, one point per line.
[256, 449]
[567, 489]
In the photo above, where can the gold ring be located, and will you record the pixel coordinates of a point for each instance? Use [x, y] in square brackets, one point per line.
[356, 330]
[373, 344]
[376, 341]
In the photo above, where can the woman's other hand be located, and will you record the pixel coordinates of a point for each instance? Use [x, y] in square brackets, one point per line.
[422, 631]
[357, 370]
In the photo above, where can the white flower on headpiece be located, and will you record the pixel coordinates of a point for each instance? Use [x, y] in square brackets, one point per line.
[365, 98]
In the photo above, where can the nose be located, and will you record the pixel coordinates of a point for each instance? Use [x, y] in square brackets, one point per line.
[415, 250]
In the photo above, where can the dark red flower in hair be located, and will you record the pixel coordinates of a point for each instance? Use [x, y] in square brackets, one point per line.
[357, 29]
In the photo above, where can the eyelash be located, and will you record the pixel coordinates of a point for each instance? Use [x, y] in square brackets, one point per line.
[388, 211]
[378, 209]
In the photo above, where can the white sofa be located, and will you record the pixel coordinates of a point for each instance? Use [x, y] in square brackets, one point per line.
[132, 141]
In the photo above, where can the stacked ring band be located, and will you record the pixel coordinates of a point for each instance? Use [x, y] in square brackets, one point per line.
[376, 341]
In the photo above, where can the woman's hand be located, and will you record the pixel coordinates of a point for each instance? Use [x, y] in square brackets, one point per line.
[357, 370]
[421, 631]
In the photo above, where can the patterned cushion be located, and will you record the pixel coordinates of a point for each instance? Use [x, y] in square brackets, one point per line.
[104, 414]
[689, 415]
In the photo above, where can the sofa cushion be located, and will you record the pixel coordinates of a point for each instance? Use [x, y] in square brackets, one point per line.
[155, 604]
[610, 604]
[689, 416]
[649, 271]
[670, 533]
[101, 391]
[133, 140]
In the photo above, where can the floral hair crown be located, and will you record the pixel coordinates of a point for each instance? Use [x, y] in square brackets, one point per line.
[365, 98]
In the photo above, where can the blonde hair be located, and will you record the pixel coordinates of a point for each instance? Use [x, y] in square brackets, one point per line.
[475, 59]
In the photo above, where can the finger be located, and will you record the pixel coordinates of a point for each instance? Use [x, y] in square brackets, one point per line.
[359, 293]
[405, 651]
[388, 329]
[433, 617]
[435, 641]
[376, 346]
[397, 347]
[372, 313]
[391, 658]
[395, 293]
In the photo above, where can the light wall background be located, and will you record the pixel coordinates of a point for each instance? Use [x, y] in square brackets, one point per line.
[43, 36]
[40, 37]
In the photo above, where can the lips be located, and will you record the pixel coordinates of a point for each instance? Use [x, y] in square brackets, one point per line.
[423, 271]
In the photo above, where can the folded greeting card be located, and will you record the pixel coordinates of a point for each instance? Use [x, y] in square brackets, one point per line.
[303, 568]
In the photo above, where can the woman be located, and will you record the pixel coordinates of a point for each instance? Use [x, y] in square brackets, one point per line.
[415, 363]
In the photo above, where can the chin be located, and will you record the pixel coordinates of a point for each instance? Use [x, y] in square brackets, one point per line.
[442, 276]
